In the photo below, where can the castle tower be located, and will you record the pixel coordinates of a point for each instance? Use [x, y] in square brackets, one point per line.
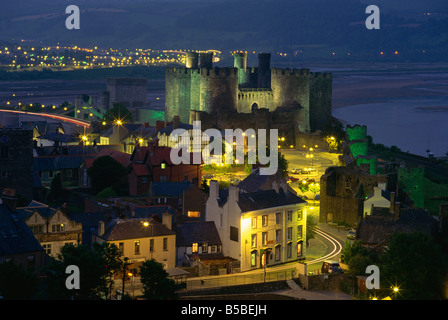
[218, 89]
[321, 88]
[206, 60]
[264, 70]
[291, 88]
[192, 60]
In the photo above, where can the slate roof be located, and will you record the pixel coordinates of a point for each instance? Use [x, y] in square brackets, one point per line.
[43, 209]
[15, 236]
[57, 162]
[123, 229]
[375, 230]
[384, 193]
[170, 189]
[61, 137]
[168, 129]
[151, 211]
[253, 181]
[266, 199]
[197, 232]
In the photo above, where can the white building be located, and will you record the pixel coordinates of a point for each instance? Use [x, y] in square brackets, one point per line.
[267, 226]
[379, 199]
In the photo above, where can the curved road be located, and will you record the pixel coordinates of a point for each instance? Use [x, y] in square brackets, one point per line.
[334, 247]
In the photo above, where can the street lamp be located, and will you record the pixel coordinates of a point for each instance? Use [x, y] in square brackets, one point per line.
[130, 274]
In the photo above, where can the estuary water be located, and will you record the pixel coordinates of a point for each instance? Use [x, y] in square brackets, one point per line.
[409, 110]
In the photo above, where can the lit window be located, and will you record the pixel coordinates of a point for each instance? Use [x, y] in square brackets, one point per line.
[194, 247]
[194, 214]
[163, 165]
[137, 247]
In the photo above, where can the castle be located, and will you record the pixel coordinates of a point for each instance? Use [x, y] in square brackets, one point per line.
[292, 101]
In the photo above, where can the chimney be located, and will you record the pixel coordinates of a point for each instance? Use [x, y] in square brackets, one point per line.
[397, 211]
[233, 193]
[214, 189]
[377, 192]
[176, 122]
[9, 198]
[100, 228]
[167, 220]
[392, 202]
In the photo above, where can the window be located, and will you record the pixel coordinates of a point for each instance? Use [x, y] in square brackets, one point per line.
[162, 178]
[50, 174]
[58, 227]
[253, 240]
[253, 222]
[194, 247]
[36, 229]
[264, 220]
[194, 214]
[278, 235]
[299, 248]
[162, 165]
[204, 248]
[289, 250]
[234, 233]
[137, 247]
[289, 233]
[213, 249]
[121, 248]
[264, 238]
[278, 218]
[151, 245]
[47, 248]
[278, 250]
[144, 180]
[165, 244]
[253, 259]
[299, 232]
[299, 215]
[289, 215]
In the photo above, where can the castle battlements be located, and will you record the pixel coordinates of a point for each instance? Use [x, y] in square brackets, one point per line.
[220, 72]
[290, 72]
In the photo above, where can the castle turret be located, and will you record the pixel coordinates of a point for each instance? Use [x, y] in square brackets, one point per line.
[206, 60]
[192, 60]
[264, 70]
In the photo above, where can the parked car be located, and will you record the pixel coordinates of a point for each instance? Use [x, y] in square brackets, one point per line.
[351, 235]
[330, 266]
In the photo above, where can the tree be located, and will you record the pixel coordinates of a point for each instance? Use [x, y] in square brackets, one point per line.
[114, 264]
[107, 172]
[56, 190]
[118, 112]
[16, 282]
[310, 224]
[92, 268]
[416, 264]
[156, 284]
[282, 165]
[107, 193]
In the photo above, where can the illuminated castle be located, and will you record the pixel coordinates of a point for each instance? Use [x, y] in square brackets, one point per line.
[243, 97]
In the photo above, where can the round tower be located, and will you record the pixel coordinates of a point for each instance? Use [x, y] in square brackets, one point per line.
[192, 60]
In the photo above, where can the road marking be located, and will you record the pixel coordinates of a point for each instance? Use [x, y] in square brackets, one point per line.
[337, 247]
